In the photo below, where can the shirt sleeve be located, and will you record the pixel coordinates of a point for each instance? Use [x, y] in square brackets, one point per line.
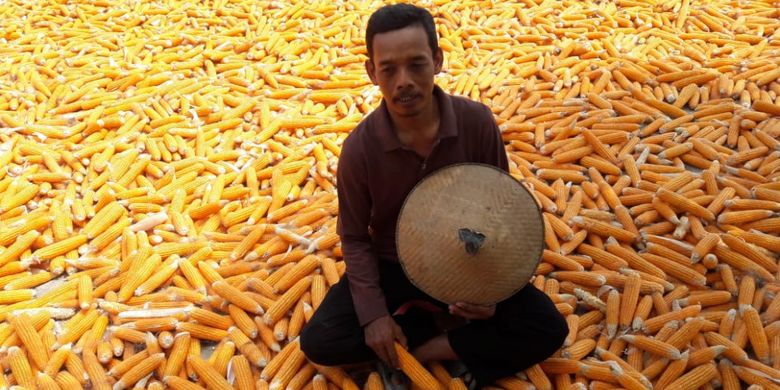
[354, 218]
[494, 150]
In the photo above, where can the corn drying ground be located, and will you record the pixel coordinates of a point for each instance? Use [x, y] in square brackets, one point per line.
[167, 184]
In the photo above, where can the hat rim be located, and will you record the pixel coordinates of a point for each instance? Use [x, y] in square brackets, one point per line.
[538, 214]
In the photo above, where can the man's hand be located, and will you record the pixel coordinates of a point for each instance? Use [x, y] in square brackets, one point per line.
[380, 335]
[472, 312]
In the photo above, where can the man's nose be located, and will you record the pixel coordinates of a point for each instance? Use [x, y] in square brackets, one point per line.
[404, 79]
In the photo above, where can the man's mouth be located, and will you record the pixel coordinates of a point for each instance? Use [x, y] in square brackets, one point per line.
[406, 98]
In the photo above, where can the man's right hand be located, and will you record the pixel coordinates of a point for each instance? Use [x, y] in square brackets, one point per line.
[380, 335]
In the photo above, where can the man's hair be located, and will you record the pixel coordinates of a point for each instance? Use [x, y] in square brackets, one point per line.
[397, 16]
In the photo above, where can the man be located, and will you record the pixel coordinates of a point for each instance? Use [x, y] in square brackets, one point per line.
[417, 129]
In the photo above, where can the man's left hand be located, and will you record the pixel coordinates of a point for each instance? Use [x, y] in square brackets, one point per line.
[472, 312]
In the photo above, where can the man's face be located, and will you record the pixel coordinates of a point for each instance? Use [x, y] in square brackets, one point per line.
[404, 66]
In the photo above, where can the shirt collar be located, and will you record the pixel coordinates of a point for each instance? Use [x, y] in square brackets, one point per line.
[448, 126]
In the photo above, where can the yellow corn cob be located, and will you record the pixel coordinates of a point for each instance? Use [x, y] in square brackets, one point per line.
[243, 321]
[97, 375]
[139, 371]
[629, 300]
[695, 378]
[242, 373]
[127, 334]
[604, 229]
[210, 318]
[103, 219]
[59, 248]
[682, 203]
[318, 290]
[178, 383]
[288, 369]
[733, 351]
[26, 280]
[748, 251]
[14, 296]
[256, 355]
[414, 370]
[29, 337]
[209, 272]
[20, 367]
[85, 292]
[46, 382]
[21, 197]
[287, 301]
[755, 332]
[144, 269]
[235, 296]
[18, 247]
[75, 367]
[76, 330]
[209, 375]
[168, 268]
[66, 380]
[220, 358]
[303, 268]
[274, 365]
[267, 335]
[57, 359]
[128, 363]
[201, 331]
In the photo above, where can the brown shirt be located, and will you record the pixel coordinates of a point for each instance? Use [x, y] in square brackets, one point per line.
[376, 173]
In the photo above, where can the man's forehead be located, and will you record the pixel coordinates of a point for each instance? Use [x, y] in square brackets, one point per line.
[401, 44]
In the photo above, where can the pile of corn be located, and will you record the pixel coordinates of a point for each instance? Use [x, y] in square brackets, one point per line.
[167, 185]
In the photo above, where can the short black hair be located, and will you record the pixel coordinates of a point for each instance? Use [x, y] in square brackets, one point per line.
[397, 16]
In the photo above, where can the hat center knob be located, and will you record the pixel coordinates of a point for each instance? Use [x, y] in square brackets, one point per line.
[472, 239]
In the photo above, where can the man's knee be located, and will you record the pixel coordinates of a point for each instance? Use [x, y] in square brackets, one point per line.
[313, 345]
[559, 330]
[543, 337]
[330, 347]
[553, 329]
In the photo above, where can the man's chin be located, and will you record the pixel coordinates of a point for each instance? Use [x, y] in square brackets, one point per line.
[406, 112]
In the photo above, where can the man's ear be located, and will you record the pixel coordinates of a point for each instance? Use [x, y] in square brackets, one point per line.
[371, 71]
[438, 60]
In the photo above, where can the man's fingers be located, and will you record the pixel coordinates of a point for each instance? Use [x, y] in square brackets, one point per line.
[400, 336]
[381, 352]
[471, 312]
[402, 340]
[463, 313]
[393, 357]
[473, 308]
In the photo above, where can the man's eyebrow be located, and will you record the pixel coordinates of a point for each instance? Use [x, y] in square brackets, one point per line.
[413, 59]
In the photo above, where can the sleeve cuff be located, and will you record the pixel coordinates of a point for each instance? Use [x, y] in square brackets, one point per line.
[369, 310]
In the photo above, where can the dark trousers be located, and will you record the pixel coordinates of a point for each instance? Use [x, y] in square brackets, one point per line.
[526, 329]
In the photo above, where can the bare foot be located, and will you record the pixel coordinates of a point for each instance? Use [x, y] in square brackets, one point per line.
[437, 348]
